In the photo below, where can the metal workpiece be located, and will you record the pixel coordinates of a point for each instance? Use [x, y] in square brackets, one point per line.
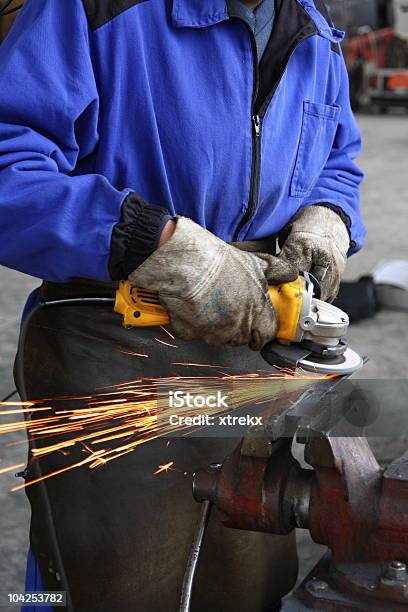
[344, 498]
[262, 487]
[256, 445]
[192, 563]
[317, 586]
[274, 494]
[360, 512]
[325, 409]
[205, 483]
[346, 587]
[296, 497]
[395, 571]
[346, 501]
[269, 493]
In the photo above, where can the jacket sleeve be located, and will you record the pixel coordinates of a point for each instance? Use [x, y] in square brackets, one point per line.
[339, 184]
[53, 225]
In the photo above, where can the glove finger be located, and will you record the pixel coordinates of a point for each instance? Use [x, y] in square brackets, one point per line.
[328, 280]
[322, 270]
[256, 341]
[298, 256]
[279, 269]
[334, 290]
[322, 275]
[264, 329]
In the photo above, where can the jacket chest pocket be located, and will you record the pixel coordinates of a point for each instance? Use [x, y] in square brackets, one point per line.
[319, 127]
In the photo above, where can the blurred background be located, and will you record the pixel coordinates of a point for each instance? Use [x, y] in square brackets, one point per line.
[376, 52]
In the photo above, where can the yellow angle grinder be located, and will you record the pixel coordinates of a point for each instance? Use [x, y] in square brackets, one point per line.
[311, 333]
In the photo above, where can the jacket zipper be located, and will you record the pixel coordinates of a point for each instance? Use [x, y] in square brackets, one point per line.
[257, 119]
[256, 140]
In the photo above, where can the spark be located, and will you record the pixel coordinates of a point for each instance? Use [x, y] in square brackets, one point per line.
[24, 410]
[16, 404]
[164, 468]
[167, 332]
[166, 343]
[117, 420]
[134, 354]
[17, 466]
[60, 471]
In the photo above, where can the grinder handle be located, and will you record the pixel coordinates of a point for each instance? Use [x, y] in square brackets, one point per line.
[142, 308]
[139, 307]
[287, 302]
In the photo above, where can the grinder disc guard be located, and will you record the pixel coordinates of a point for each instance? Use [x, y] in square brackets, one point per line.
[318, 344]
[295, 356]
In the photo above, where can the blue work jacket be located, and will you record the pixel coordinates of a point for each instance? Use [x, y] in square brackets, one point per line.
[163, 98]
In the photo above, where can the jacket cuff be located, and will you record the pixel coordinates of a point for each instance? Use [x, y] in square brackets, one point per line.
[136, 236]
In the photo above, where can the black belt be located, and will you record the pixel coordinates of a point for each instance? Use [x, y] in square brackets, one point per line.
[77, 288]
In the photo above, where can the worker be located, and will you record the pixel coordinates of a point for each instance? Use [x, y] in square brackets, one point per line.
[199, 149]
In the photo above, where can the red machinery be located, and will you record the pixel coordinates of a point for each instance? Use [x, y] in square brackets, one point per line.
[347, 502]
[375, 50]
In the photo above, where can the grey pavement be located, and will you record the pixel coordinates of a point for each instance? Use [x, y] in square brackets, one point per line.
[14, 508]
[383, 339]
[385, 204]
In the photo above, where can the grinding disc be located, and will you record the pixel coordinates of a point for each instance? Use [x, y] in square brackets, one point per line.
[348, 363]
[296, 356]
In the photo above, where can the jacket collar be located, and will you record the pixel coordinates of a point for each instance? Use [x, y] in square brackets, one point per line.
[324, 29]
[203, 13]
[198, 13]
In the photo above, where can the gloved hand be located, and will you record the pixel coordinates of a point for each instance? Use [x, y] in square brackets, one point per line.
[318, 243]
[213, 291]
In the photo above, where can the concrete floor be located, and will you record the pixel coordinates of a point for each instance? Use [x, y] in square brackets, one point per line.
[384, 339]
[385, 206]
[14, 508]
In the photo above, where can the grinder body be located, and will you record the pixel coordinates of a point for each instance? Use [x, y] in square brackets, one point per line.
[310, 333]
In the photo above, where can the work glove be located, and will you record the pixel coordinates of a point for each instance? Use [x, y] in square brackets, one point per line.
[318, 242]
[213, 291]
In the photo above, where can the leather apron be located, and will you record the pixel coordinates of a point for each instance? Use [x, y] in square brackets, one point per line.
[117, 538]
